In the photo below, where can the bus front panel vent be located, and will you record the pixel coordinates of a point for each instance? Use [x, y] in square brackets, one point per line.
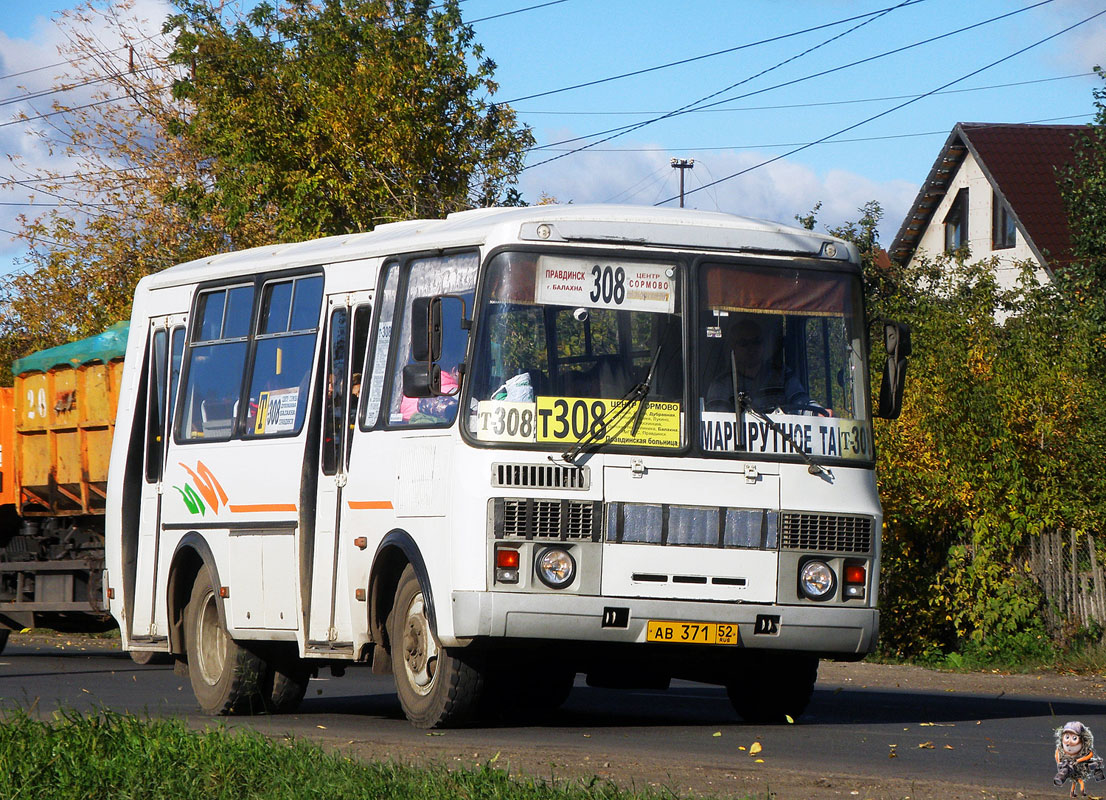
[563, 520]
[540, 476]
[826, 533]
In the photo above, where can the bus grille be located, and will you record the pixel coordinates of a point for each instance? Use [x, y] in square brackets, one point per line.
[540, 476]
[826, 533]
[546, 519]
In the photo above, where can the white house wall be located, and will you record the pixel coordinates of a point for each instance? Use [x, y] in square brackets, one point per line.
[980, 197]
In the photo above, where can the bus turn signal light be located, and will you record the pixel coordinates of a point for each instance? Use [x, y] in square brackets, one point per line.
[506, 565]
[856, 576]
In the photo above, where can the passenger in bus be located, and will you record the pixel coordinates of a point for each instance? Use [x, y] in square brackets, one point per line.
[761, 375]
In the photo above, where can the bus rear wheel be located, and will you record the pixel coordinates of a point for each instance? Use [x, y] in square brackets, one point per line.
[4, 634]
[771, 688]
[226, 677]
[437, 687]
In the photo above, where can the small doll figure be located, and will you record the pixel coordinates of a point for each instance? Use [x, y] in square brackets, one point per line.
[1075, 758]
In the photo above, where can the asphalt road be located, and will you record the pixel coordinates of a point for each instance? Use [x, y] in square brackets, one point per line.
[1001, 744]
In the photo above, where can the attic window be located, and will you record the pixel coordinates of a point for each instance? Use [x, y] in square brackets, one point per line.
[956, 222]
[1003, 229]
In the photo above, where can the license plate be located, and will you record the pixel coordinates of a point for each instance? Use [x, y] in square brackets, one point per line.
[691, 632]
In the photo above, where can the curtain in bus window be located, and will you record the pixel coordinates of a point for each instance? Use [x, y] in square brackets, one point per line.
[285, 350]
[454, 274]
[799, 291]
[216, 363]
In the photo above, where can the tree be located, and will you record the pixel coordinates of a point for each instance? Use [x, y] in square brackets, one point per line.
[1083, 188]
[323, 118]
[330, 116]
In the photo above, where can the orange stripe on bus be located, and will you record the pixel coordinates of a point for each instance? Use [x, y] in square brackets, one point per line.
[368, 505]
[250, 509]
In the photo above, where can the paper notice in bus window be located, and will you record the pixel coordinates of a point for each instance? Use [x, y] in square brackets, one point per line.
[504, 421]
[568, 420]
[276, 411]
[830, 437]
[605, 284]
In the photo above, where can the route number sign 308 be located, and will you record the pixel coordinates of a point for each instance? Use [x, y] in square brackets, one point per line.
[609, 285]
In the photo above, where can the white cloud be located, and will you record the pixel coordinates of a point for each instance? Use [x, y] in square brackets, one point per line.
[35, 65]
[776, 191]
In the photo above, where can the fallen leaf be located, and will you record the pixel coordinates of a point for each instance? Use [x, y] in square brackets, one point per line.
[789, 720]
[755, 748]
[949, 747]
[759, 761]
[716, 734]
[741, 747]
[321, 727]
[587, 735]
[926, 745]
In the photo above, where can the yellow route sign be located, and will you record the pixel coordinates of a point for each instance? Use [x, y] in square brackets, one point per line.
[568, 420]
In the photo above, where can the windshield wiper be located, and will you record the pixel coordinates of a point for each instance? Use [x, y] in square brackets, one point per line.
[637, 394]
[745, 403]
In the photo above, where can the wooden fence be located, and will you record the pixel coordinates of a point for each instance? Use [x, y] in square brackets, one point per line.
[1068, 571]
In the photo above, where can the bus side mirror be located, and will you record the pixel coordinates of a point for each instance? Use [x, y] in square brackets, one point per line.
[896, 339]
[426, 329]
[422, 380]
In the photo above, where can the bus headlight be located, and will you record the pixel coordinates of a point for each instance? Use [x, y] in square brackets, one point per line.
[816, 580]
[556, 567]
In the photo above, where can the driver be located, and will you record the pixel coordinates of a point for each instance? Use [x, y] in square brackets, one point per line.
[758, 356]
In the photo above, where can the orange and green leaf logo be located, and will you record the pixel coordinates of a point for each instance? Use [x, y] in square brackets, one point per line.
[208, 487]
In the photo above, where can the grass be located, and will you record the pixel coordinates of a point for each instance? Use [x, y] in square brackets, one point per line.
[127, 758]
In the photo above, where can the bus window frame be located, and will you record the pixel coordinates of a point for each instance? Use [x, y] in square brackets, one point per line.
[683, 262]
[256, 282]
[403, 265]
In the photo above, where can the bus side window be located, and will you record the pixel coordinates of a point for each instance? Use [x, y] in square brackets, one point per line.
[288, 324]
[452, 274]
[216, 361]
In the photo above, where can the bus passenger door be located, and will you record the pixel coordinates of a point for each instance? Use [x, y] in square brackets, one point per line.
[329, 626]
[164, 347]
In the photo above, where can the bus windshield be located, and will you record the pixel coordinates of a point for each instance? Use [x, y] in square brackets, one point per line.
[566, 343]
[788, 344]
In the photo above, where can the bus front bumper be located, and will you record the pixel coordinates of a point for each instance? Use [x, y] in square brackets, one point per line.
[828, 631]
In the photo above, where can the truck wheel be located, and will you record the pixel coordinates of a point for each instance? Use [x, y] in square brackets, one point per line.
[4, 633]
[437, 687]
[768, 688]
[225, 677]
[285, 684]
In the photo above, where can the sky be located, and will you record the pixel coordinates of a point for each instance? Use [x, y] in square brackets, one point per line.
[785, 103]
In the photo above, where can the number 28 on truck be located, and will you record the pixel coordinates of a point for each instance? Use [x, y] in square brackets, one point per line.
[488, 453]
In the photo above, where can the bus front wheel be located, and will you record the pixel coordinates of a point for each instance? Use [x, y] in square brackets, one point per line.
[771, 688]
[226, 677]
[437, 687]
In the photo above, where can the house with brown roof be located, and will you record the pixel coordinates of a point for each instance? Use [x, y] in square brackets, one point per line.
[994, 189]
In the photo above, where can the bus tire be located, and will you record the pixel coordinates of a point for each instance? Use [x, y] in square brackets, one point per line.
[285, 685]
[772, 689]
[226, 677]
[144, 657]
[437, 687]
[4, 634]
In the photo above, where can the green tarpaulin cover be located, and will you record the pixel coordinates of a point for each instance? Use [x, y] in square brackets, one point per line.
[105, 346]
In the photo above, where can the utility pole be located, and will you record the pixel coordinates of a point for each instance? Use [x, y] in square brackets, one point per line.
[682, 164]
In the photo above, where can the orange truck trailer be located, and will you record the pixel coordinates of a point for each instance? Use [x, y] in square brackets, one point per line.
[56, 425]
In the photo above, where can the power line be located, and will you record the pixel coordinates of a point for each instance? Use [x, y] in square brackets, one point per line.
[816, 104]
[516, 11]
[894, 108]
[74, 61]
[705, 55]
[624, 130]
[700, 104]
[854, 140]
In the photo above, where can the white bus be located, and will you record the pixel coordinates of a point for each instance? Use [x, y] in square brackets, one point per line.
[491, 452]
